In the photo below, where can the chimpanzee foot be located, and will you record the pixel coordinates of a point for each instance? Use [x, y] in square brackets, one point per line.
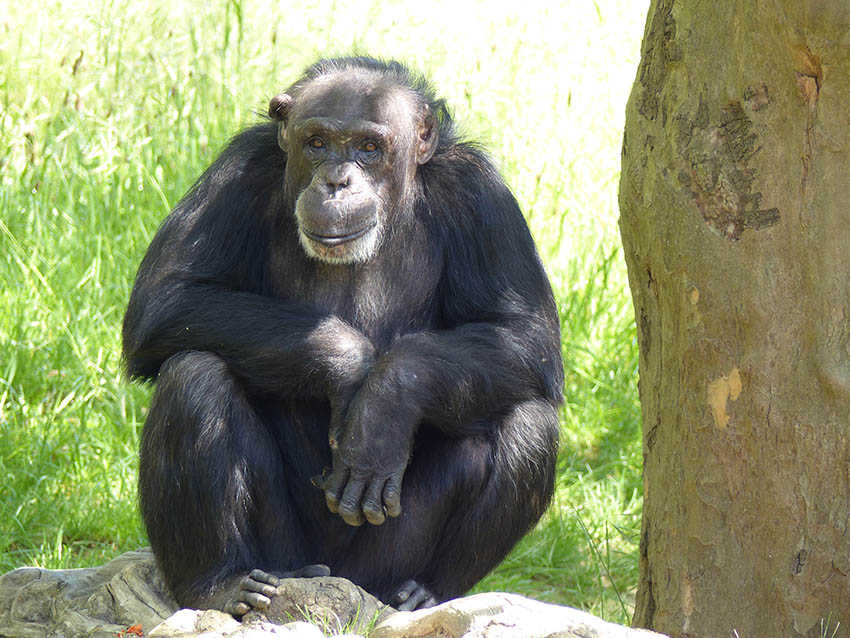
[255, 591]
[411, 596]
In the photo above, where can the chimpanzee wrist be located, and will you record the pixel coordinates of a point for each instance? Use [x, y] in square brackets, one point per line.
[346, 356]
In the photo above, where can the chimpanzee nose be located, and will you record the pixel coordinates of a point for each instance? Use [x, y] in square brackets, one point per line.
[338, 178]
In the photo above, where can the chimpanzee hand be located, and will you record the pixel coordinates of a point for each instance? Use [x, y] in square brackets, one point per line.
[349, 358]
[370, 454]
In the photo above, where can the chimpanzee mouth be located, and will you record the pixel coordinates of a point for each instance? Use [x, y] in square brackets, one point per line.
[336, 240]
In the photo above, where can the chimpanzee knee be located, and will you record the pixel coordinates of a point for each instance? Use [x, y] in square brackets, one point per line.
[210, 477]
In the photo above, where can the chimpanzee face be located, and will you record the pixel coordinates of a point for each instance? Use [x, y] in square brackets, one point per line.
[353, 146]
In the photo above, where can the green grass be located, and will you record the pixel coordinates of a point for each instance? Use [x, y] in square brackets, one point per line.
[108, 112]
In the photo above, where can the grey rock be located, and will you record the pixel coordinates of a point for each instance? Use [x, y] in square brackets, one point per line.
[93, 602]
[334, 604]
[497, 615]
[101, 602]
[193, 623]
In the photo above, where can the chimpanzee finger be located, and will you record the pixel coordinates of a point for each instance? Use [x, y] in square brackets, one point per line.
[392, 494]
[255, 600]
[373, 508]
[334, 486]
[349, 504]
[403, 592]
[260, 582]
[411, 595]
[415, 600]
[237, 608]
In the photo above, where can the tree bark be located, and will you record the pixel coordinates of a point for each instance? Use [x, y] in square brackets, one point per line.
[735, 220]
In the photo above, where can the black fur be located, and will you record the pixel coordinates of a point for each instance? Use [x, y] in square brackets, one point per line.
[451, 326]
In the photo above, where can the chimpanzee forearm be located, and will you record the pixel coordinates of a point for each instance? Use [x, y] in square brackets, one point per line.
[456, 378]
[275, 346]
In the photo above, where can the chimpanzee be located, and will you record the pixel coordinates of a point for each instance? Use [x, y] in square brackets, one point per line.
[348, 323]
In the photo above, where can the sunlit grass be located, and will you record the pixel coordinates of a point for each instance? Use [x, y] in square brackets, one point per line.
[109, 111]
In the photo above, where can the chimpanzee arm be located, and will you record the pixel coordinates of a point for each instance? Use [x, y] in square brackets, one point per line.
[500, 345]
[200, 287]
[273, 346]
[458, 379]
[500, 341]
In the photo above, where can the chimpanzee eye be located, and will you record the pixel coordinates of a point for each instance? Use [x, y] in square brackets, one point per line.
[316, 142]
[369, 146]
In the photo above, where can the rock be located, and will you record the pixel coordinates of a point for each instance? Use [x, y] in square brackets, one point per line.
[192, 623]
[107, 601]
[334, 604]
[497, 615]
[94, 602]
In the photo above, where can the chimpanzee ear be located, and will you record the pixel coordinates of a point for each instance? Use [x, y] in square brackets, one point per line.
[428, 137]
[279, 107]
[279, 110]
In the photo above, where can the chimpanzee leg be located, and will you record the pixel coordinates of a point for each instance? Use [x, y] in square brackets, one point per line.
[518, 491]
[211, 486]
[465, 503]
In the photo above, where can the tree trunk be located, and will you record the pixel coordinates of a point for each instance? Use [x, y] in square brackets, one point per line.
[735, 219]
